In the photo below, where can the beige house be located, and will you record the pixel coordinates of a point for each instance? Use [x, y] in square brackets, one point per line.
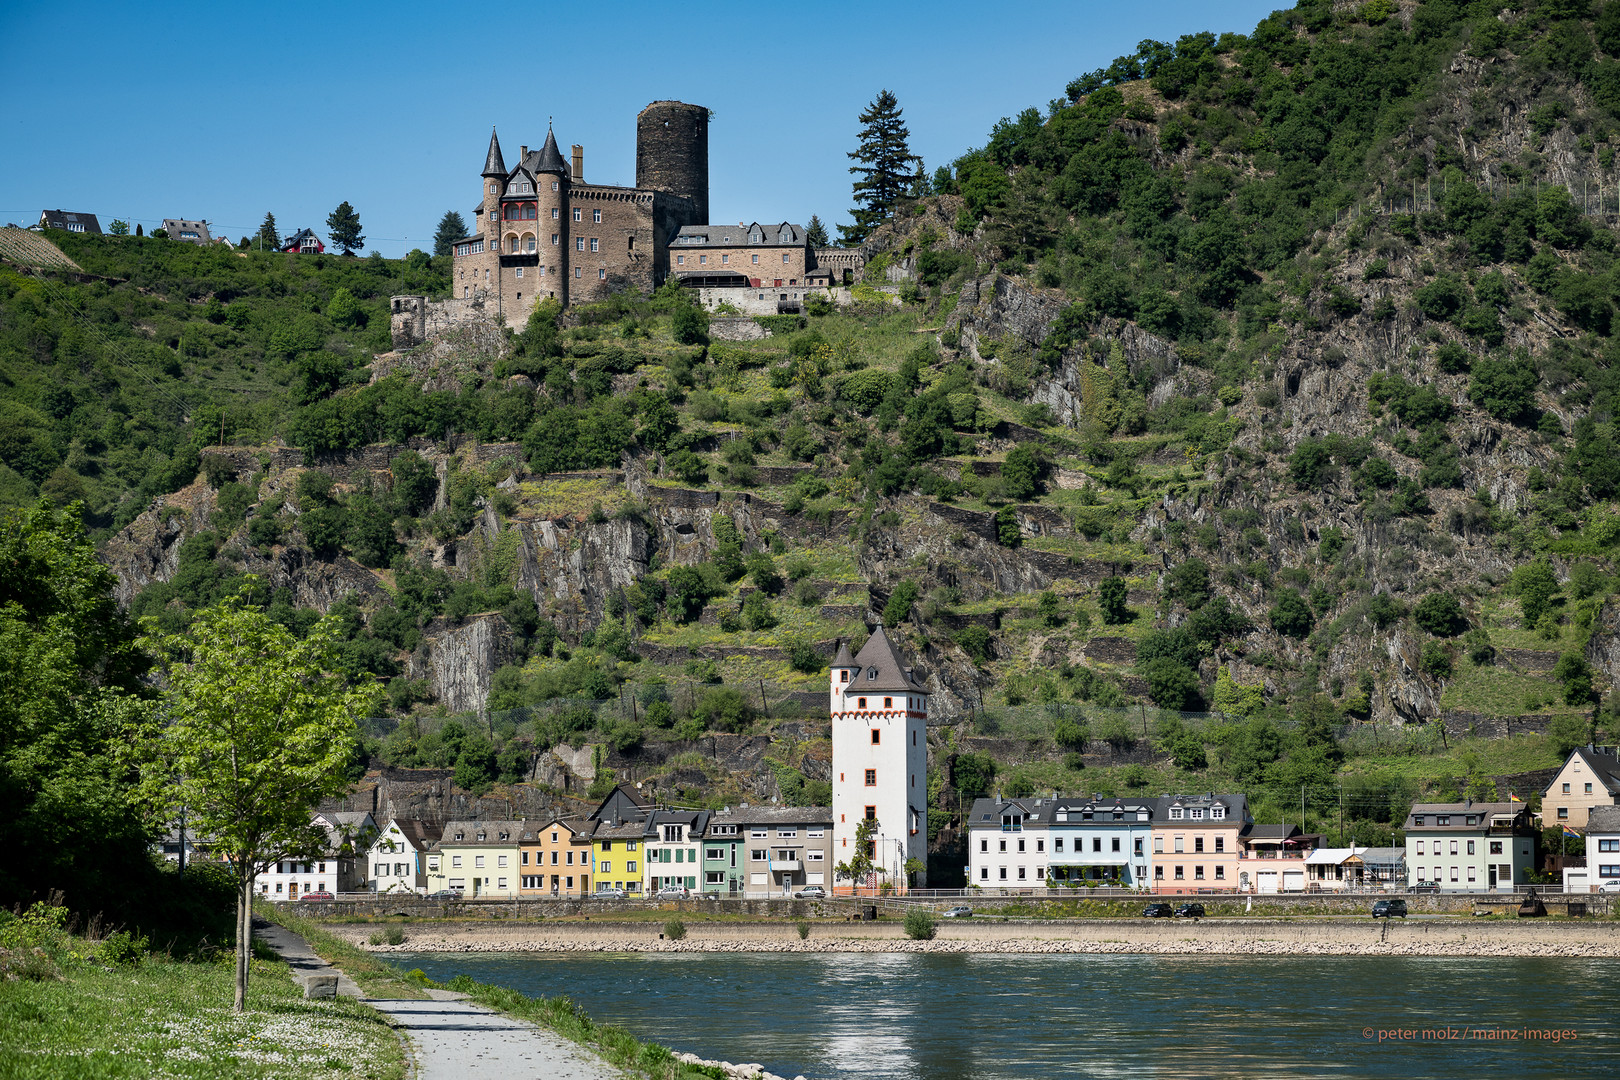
[1590, 777]
[478, 859]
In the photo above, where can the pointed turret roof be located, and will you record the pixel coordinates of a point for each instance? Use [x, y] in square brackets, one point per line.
[549, 159]
[494, 164]
[882, 668]
[843, 659]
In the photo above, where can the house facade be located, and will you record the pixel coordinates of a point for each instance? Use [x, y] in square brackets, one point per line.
[302, 242]
[1602, 869]
[398, 856]
[768, 850]
[478, 859]
[1006, 844]
[1273, 859]
[1590, 777]
[1197, 842]
[555, 859]
[1470, 846]
[340, 867]
[1101, 841]
[673, 848]
[724, 861]
[879, 758]
[617, 856]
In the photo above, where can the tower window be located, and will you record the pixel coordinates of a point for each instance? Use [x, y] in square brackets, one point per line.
[520, 271]
[578, 214]
[680, 260]
[784, 258]
[554, 187]
[601, 274]
[860, 703]
[579, 243]
[554, 240]
[596, 216]
[596, 244]
[871, 813]
[871, 778]
[578, 272]
[876, 736]
[555, 212]
[888, 703]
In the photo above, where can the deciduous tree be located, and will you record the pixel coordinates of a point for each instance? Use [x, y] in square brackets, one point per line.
[255, 728]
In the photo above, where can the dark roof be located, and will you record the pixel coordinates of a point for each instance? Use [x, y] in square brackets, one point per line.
[493, 163]
[547, 159]
[492, 830]
[739, 235]
[72, 220]
[881, 669]
[1459, 813]
[1605, 767]
[622, 802]
[843, 659]
[1276, 833]
[419, 834]
[1604, 819]
[298, 238]
[772, 815]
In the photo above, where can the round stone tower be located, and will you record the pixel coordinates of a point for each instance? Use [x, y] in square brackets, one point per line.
[672, 153]
[551, 181]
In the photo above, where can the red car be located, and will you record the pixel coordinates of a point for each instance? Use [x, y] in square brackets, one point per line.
[317, 896]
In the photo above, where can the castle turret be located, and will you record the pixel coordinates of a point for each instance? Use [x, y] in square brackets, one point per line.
[551, 178]
[494, 175]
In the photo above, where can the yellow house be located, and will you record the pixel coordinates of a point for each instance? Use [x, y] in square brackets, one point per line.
[617, 856]
[1590, 777]
[478, 859]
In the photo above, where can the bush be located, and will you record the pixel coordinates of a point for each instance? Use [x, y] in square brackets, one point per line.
[898, 609]
[1111, 595]
[674, 929]
[804, 930]
[689, 325]
[1436, 660]
[920, 925]
[1440, 614]
[975, 641]
[804, 656]
[1291, 615]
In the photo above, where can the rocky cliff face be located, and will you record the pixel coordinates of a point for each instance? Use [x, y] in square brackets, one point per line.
[459, 662]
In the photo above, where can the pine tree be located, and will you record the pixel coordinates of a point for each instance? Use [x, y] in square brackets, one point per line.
[452, 227]
[343, 227]
[886, 168]
[269, 239]
[816, 233]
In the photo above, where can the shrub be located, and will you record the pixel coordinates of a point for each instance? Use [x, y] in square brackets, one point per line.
[1440, 614]
[674, 929]
[804, 656]
[689, 325]
[975, 641]
[1171, 684]
[1291, 615]
[1111, 596]
[1007, 531]
[1021, 472]
[920, 925]
[1436, 660]
[804, 930]
[898, 609]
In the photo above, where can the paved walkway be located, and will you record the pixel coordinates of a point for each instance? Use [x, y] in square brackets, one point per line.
[452, 1038]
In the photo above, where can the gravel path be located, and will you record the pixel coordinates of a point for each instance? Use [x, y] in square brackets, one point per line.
[452, 1038]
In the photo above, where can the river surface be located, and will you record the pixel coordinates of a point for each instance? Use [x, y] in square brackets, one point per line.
[912, 1016]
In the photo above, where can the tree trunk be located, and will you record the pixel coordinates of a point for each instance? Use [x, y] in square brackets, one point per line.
[244, 939]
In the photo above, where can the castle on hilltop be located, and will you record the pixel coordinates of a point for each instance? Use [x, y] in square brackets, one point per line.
[543, 233]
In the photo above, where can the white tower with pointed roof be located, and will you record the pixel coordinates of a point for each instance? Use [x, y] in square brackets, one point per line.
[879, 756]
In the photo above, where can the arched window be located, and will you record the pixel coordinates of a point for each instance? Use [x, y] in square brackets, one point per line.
[513, 210]
[512, 243]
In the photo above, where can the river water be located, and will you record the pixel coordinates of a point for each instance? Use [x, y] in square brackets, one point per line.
[913, 1016]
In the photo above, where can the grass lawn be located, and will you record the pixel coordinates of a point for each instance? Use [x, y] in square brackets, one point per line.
[163, 1018]
[1498, 691]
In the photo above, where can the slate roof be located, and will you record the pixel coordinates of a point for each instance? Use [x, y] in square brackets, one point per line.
[1605, 768]
[881, 669]
[621, 803]
[297, 238]
[547, 159]
[418, 834]
[738, 235]
[492, 831]
[772, 815]
[1459, 813]
[843, 659]
[71, 220]
[494, 165]
[1603, 819]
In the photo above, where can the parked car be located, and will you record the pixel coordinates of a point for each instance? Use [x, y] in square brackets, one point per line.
[811, 892]
[1190, 911]
[1609, 886]
[960, 911]
[1158, 911]
[673, 892]
[445, 894]
[1389, 909]
[1426, 886]
[317, 896]
[609, 894]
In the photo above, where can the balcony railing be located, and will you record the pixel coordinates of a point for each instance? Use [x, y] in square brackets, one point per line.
[1293, 855]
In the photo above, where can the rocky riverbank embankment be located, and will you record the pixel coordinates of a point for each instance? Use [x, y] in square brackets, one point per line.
[1211, 937]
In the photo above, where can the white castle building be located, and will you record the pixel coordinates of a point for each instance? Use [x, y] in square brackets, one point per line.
[879, 757]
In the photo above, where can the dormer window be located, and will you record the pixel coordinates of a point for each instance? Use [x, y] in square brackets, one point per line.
[1417, 819]
[1197, 815]
[1443, 819]
[480, 836]
[1217, 812]
[871, 674]
[1175, 813]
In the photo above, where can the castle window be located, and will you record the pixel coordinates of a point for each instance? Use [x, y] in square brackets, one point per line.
[554, 240]
[596, 244]
[520, 274]
[703, 260]
[579, 243]
[724, 259]
[601, 273]
[860, 703]
[680, 260]
[871, 778]
[632, 243]
[578, 214]
[494, 215]
[888, 703]
[554, 185]
[528, 242]
[596, 216]
[578, 272]
[784, 258]
[756, 263]
[530, 211]
[492, 189]
[555, 213]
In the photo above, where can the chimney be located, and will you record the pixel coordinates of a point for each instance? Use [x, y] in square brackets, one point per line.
[579, 164]
[523, 152]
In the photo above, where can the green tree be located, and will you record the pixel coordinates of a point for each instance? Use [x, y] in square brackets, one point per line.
[1111, 595]
[1021, 473]
[973, 774]
[255, 728]
[815, 233]
[689, 324]
[452, 227]
[1536, 585]
[269, 239]
[343, 228]
[1440, 614]
[119, 227]
[886, 168]
[71, 675]
[898, 609]
[1236, 699]
[1291, 615]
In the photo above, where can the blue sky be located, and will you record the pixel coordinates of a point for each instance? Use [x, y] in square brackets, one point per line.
[223, 111]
